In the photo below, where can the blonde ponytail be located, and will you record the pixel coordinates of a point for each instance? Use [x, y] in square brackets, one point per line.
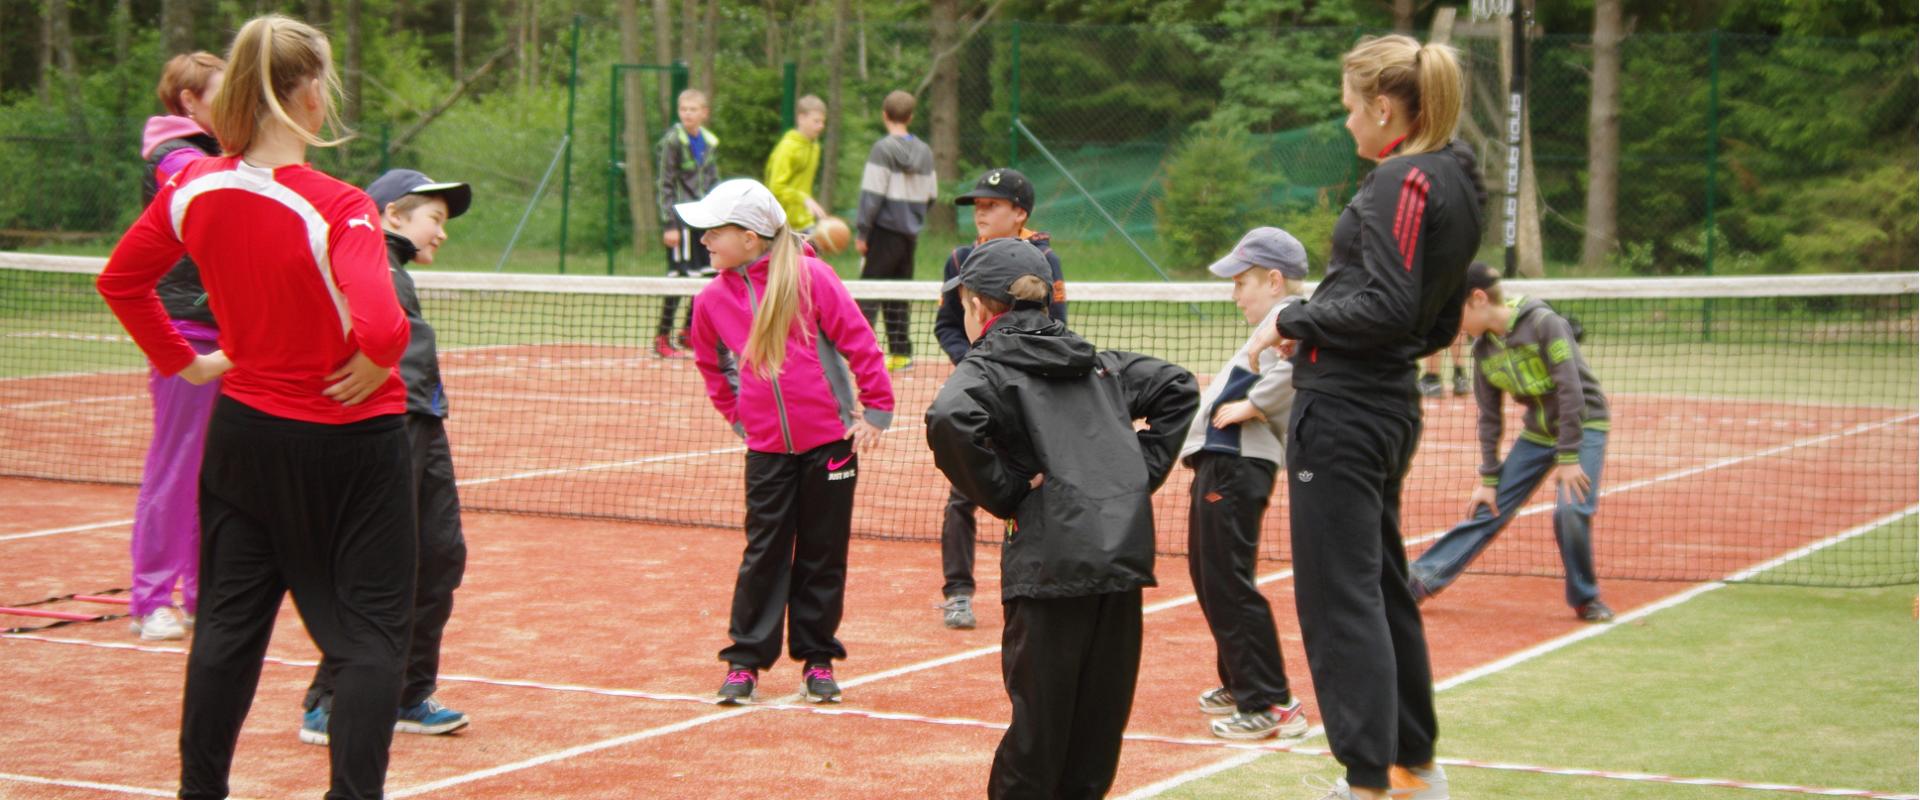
[1426, 79]
[789, 289]
[272, 57]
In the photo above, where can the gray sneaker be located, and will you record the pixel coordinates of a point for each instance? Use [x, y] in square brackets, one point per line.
[958, 612]
[1460, 384]
[1218, 702]
[1289, 721]
[1430, 385]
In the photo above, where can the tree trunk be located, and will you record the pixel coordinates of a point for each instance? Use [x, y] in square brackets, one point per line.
[176, 27]
[709, 43]
[772, 29]
[43, 77]
[689, 33]
[862, 12]
[1403, 16]
[663, 46]
[121, 24]
[830, 162]
[351, 86]
[316, 11]
[1603, 139]
[945, 116]
[520, 46]
[639, 159]
[533, 44]
[60, 43]
[459, 40]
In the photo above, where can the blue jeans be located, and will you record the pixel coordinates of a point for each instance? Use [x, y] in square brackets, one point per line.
[1526, 466]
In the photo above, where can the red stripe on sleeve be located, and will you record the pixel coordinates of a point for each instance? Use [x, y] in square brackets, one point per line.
[1413, 208]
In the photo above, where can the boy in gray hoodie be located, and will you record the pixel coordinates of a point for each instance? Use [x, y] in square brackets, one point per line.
[1525, 349]
[1235, 450]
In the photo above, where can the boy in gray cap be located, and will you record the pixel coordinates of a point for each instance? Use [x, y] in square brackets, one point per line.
[1036, 426]
[1235, 449]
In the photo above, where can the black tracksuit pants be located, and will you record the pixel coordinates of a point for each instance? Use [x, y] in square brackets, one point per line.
[958, 532]
[325, 511]
[685, 261]
[442, 564]
[1070, 665]
[1366, 646]
[890, 257]
[1230, 496]
[799, 519]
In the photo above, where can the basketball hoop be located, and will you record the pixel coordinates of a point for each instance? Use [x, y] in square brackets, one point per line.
[1487, 9]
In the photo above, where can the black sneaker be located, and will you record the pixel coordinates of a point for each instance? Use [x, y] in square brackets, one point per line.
[819, 686]
[1594, 611]
[739, 686]
[1460, 384]
[1430, 385]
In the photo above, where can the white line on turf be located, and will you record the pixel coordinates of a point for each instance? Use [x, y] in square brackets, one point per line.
[1552, 645]
[89, 785]
[73, 529]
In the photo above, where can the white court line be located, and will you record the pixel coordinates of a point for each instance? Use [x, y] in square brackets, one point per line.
[70, 401]
[1552, 645]
[635, 462]
[56, 531]
[90, 785]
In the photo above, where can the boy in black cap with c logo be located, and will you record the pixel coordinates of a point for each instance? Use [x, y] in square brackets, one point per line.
[1037, 427]
[1002, 203]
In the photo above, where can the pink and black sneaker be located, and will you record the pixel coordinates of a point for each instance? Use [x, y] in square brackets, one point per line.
[819, 686]
[739, 686]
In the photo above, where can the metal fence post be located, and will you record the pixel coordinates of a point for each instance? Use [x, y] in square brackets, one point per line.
[1713, 166]
[613, 154]
[789, 88]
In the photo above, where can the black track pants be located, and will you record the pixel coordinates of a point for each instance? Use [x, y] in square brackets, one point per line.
[799, 518]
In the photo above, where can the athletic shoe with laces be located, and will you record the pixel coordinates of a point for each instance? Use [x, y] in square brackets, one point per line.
[739, 685]
[1289, 720]
[160, 625]
[1218, 702]
[1460, 384]
[663, 347]
[819, 686]
[1335, 790]
[897, 363]
[1594, 611]
[958, 612]
[1413, 783]
[429, 717]
[313, 726]
[1430, 385]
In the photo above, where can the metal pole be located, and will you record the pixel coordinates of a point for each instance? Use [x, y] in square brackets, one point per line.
[789, 88]
[566, 143]
[566, 176]
[1713, 166]
[613, 156]
[1516, 122]
[1013, 133]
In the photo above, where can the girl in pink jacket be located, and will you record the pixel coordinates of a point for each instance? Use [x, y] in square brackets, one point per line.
[797, 331]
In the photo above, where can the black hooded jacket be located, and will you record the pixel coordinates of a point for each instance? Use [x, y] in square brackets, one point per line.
[1034, 398]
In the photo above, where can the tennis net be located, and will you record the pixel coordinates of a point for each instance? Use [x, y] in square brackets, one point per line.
[1752, 417]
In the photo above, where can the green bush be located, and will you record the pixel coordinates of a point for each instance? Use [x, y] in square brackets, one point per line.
[1212, 195]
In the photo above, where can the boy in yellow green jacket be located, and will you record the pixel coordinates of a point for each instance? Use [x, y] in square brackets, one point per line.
[795, 161]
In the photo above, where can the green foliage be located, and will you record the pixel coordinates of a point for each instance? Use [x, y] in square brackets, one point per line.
[1211, 195]
[1278, 60]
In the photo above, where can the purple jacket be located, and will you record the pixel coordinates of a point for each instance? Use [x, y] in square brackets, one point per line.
[812, 401]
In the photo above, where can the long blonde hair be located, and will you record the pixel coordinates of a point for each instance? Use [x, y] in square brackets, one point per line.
[272, 57]
[789, 289]
[1425, 78]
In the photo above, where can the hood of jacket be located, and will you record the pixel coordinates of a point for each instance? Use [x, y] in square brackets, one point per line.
[164, 129]
[1031, 341]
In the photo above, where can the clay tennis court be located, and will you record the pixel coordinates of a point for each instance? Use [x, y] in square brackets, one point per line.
[584, 648]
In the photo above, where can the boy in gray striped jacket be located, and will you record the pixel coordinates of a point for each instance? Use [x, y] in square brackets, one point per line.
[895, 190]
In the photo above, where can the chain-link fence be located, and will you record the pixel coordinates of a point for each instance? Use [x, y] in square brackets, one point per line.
[1796, 153]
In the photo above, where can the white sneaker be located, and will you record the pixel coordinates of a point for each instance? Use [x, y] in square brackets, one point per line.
[163, 624]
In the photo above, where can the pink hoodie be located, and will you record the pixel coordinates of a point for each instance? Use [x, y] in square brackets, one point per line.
[165, 129]
[811, 403]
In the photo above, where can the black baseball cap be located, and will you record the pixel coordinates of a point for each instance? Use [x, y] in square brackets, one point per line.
[398, 183]
[991, 268]
[1001, 183]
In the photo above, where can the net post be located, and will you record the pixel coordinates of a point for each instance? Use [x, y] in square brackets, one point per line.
[566, 174]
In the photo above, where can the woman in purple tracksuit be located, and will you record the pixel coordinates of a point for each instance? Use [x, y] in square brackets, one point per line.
[796, 330]
[166, 520]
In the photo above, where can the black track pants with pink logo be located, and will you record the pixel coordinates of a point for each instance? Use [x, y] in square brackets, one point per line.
[794, 569]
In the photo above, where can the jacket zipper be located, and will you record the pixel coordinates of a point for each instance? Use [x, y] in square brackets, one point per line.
[779, 405]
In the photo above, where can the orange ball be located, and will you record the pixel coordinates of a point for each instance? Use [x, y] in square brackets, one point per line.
[831, 235]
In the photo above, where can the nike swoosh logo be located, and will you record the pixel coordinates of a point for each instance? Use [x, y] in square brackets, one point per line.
[834, 466]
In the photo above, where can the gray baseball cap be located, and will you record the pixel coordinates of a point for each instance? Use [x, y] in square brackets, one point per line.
[1264, 247]
[991, 268]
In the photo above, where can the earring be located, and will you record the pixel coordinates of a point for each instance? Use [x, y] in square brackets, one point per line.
[1383, 122]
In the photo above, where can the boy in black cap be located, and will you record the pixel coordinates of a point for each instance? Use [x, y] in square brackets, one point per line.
[1037, 427]
[1002, 203]
[413, 212]
[1235, 451]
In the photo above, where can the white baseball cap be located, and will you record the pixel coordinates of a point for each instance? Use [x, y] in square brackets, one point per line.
[742, 201]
